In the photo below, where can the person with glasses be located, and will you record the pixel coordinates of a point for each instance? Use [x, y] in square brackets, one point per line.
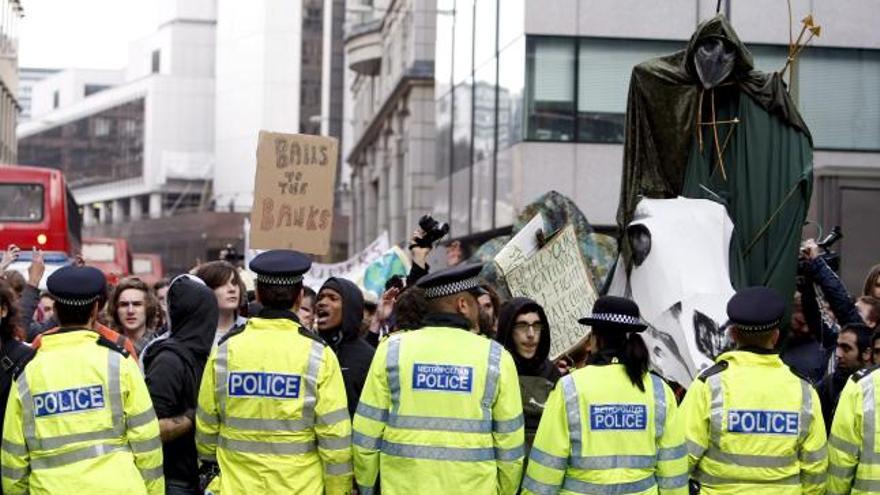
[524, 331]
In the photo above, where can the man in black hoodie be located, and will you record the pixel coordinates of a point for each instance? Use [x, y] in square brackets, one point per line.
[173, 368]
[339, 315]
[523, 329]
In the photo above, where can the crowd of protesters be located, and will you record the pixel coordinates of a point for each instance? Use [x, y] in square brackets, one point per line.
[171, 328]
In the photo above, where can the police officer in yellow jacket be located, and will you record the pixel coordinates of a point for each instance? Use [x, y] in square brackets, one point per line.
[752, 425]
[441, 410]
[272, 408]
[79, 418]
[610, 427]
[852, 446]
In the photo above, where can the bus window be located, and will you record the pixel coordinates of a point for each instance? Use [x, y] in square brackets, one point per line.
[142, 266]
[99, 252]
[22, 202]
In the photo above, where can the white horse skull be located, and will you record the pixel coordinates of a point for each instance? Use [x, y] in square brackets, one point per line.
[681, 281]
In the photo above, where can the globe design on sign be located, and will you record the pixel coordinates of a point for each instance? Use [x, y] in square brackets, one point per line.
[381, 270]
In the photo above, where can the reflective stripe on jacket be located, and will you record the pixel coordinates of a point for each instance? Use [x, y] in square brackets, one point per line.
[852, 447]
[80, 420]
[601, 434]
[755, 428]
[272, 412]
[440, 413]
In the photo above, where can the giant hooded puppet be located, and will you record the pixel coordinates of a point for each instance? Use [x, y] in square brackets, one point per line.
[703, 123]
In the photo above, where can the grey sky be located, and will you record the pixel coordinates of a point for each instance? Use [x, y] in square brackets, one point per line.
[82, 33]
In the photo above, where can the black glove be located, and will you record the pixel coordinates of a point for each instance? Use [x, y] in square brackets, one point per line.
[207, 472]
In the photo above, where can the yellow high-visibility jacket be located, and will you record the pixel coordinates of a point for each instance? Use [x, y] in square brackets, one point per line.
[852, 446]
[272, 413]
[600, 434]
[440, 413]
[80, 420]
[753, 426]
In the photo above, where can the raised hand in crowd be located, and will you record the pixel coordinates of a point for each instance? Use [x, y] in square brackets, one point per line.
[37, 268]
[384, 310]
[9, 256]
[419, 253]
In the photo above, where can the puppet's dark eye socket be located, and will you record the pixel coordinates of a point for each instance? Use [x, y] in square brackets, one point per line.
[640, 242]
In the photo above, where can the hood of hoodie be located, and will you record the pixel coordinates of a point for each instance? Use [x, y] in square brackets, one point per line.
[352, 310]
[507, 319]
[192, 315]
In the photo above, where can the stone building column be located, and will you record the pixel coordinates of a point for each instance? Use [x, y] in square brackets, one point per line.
[118, 211]
[88, 215]
[156, 205]
[136, 208]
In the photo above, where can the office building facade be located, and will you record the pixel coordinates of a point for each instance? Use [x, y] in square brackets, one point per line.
[11, 13]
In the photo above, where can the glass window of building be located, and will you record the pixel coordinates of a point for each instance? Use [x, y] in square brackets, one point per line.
[462, 114]
[839, 96]
[550, 72]
[443, 49]
[511, 22]
[155, 61]
[484, 112]
[511, 81]
[485, 18]
[463, 61]
[104, 147]
[604, 70]
[91, 89]
[443, 139]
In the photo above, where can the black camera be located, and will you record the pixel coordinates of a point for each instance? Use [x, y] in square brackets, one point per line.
[832, 258]
[432, 231]
[230, 254]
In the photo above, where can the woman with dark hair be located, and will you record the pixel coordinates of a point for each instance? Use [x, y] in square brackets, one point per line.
[523, 329]
[11, 349]
[222, 277]
[610, 415]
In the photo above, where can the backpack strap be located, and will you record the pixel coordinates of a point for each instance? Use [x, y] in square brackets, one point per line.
[14, 358]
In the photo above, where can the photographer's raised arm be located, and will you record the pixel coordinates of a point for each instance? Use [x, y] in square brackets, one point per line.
[832, 287]
[419, 256]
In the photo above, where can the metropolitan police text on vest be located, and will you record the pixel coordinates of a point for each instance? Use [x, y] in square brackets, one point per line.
[70, 400]
[260, 384]
[766, 422]
[618, 417]
[442, 377]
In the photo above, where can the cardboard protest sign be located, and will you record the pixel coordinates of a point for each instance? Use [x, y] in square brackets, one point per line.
[522, 246]
[293, 196]
[558, 279]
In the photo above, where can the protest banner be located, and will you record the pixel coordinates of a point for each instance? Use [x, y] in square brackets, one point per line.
[293, 195]
[558, 279]
[358, 263]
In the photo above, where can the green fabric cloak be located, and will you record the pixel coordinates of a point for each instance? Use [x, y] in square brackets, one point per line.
[768, 152]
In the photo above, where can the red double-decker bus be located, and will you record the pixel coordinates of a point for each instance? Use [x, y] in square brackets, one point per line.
[37, 210]
[111, 255]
